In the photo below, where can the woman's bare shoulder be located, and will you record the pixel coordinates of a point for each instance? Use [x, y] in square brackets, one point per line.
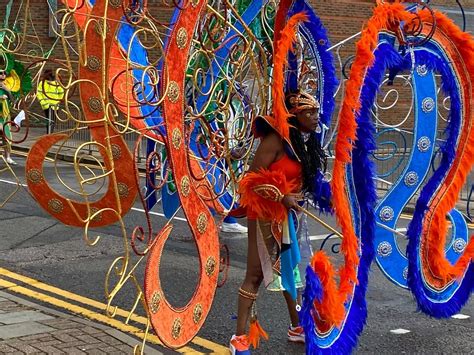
[272, 139]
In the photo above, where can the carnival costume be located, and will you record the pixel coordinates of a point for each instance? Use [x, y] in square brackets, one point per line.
[262, 191]
[200, 98]
[18, 81]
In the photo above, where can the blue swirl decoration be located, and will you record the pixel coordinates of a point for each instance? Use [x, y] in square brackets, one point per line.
[448, 300]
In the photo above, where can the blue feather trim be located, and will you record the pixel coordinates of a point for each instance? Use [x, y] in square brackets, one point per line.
[320, 40]
[321, 194]
[415, 281]
[312, 292]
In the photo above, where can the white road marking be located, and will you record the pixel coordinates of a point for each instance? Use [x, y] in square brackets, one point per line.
[322, 237]
[461, 316]
[133, 208]
[158, 214]
[12, 182]
[399, 331]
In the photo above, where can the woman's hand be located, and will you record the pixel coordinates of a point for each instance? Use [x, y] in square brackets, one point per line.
[290, 201]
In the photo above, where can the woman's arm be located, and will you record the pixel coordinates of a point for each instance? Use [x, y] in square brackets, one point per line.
[268, 151]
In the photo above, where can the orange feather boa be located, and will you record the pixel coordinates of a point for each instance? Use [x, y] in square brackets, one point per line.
[331, 309]
[258, 206]
[435, 230]
[287, 38]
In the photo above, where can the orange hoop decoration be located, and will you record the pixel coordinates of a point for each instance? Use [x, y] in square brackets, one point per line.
[121, 191]
[177, 326]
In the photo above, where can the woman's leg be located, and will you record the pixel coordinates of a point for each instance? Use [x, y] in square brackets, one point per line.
[291, 304]
[253, 278]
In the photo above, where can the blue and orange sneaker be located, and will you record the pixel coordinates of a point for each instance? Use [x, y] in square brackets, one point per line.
[239, 345]
[296, 334]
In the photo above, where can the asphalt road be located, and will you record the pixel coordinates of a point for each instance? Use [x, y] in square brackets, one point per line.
[34, 244]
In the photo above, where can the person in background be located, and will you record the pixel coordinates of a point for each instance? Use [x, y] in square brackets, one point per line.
[230, 225]
[49, 93]
[6, 99]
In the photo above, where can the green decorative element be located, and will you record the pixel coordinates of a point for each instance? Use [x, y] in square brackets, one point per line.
[10, 63]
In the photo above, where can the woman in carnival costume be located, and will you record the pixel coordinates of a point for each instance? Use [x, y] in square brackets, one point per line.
[287, 164]
[6, 99]
[14, 81]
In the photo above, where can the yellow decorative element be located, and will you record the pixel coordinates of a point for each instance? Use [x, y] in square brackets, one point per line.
[269, 192]
[35, 176]
[185, 186]
[173, 91]
[155, 302]
[55, 205]
[122, 189]
[95, 104]
[116, 152]
[194, 3]
[176, 329]
[202, 222]
[197, 313]
[93, 62]
[182, 38]
[176, 138]
[13, 82]
[210, 266]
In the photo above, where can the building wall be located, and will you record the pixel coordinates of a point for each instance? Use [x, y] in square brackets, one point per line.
[342, 18]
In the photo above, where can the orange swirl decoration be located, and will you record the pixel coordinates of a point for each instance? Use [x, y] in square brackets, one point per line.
[177, 326]
[121, 191]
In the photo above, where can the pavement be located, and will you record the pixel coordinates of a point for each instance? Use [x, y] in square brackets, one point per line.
[29, 328]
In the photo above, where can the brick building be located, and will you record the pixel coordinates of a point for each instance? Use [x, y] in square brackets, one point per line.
[342, 18]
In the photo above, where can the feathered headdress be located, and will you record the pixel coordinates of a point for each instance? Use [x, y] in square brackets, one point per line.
[279, 119]
[301, 101]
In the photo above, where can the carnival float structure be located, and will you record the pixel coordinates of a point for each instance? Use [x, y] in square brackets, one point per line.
[191, 88]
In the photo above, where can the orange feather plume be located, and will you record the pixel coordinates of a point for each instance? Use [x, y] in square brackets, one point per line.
[287, 38]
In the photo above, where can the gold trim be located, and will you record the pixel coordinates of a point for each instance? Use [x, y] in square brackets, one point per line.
[201, 222]
[197, 313]
[93, 63]
[185, 186]
[155, 303]
[55, 205]
[182, 38]
[194, 3]
[99, 25]
[115, 3]
[177, 327]
[97, 217]
[210, 266]
[95, 104]
[122, 189]
[116, 151]
[173, 91]
[176, 138]
[34, 176]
